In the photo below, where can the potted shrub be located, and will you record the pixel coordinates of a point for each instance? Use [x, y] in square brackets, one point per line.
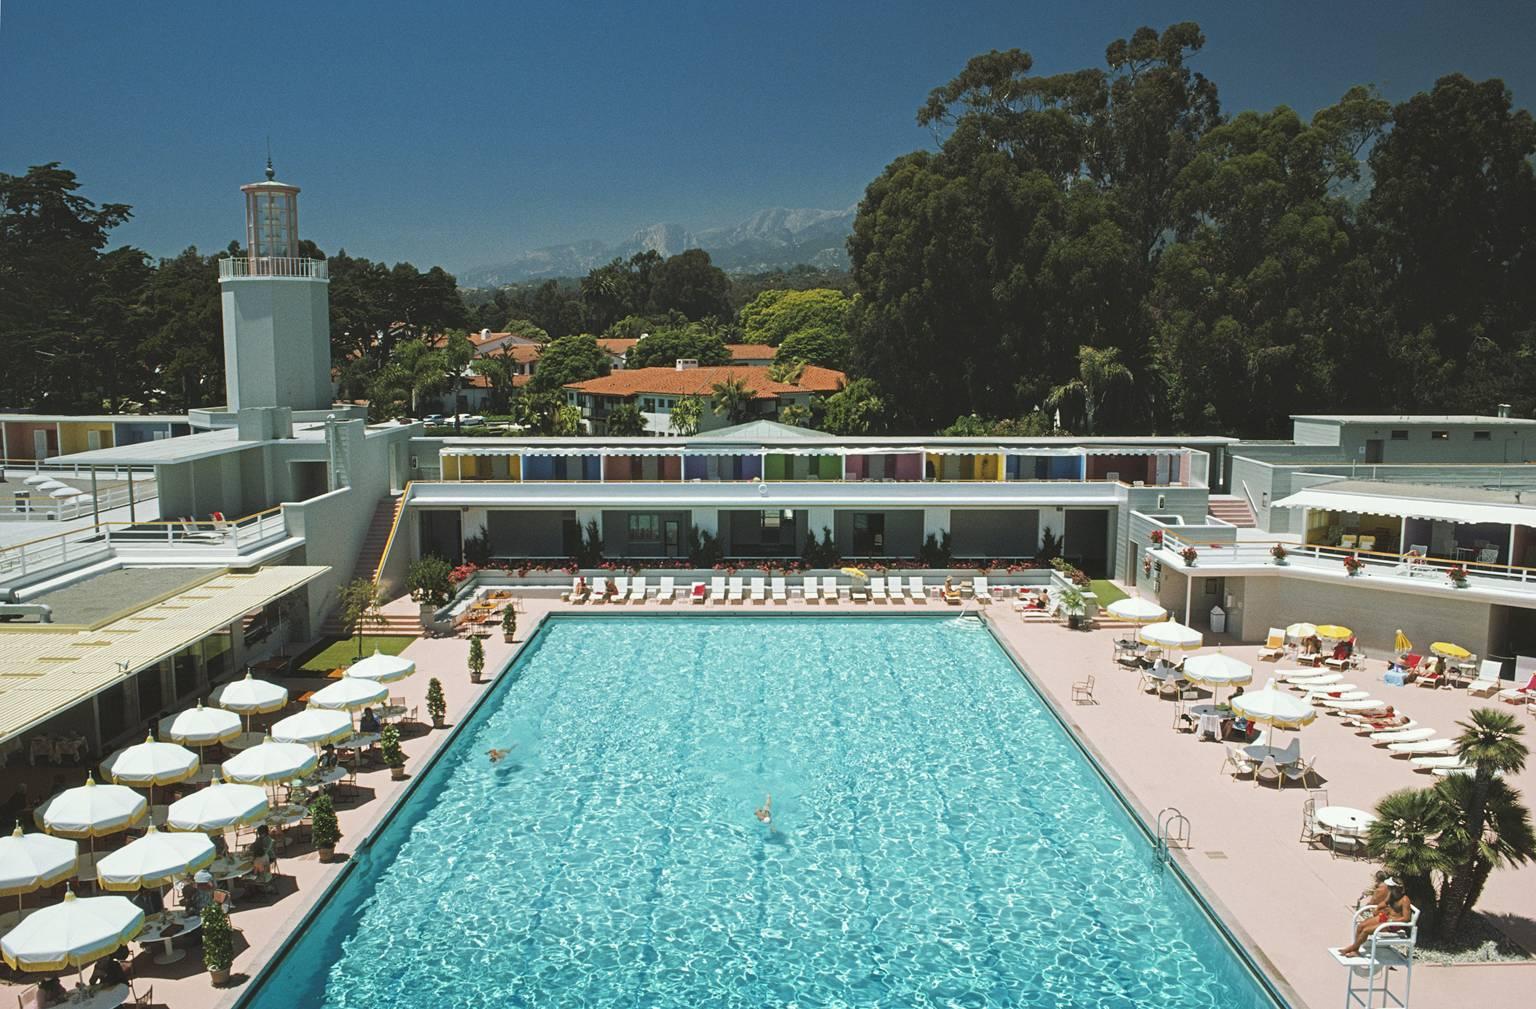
[218, 944]
[430, 582]
[437, 704]
[1189, 554]
[1156, 536]
[1458, 576]
[476, 659]
[1075, 606]
[1353, 564]
[508, 623]
[1278, 553]
[325, 830]
[389, 750]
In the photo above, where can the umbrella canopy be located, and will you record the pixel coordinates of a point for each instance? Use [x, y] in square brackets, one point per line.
[1217, 671]
[349, 694]
[1273, 706]
[154, 860]
[1401, 644]
[1449, 650]
[31, 861]
[65, 492]
[268, 762]
[218, 807]
[313, 726]
[91, 810]
[38, 478]
[382, 668]
[250, 696]
[1334, 632]
[201, 726]
[50, 483]
[1139, 610]
[1301, 630]
[1171, 634]
[71, 933]
[151, 763]
[854, 572]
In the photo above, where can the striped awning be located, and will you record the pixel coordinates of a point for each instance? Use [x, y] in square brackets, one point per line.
[1413, 508]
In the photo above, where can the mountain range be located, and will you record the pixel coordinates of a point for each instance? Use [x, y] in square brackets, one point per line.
[772, 239]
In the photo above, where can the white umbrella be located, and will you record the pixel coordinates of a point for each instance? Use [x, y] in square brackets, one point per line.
[1137, 609]
[50, 483]
[218, 807]
[1273, 706]
[382, 668]
[269, 762]
[71, 933]
[313, 726]
[348, 694]
[91, 810]
[154, 860]
[1300, 631]
[151, 763]
[31, 861]
[1217, 671]
[201, 726]
[62, 492]
[38, 478]
[251, 696]
[1171, 634]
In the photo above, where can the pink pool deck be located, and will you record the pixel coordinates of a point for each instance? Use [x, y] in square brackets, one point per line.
[1289, 900]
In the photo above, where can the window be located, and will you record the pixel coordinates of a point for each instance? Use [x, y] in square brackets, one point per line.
[1482, 436]
[648, 405]
[644, 527]
[1400, 435]
[1439, 435]
[868, 534]
[769, 526]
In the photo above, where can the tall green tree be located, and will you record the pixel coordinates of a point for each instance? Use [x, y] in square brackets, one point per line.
[1490, 742]
[856, 408]
[689, 283]
[1099, 374]
[625, 421]
[732, 400]
[663, 348]
[687, 415]
[568, 359]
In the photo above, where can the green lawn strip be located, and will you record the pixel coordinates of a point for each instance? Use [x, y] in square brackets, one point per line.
[338, 654]
[1107, 591]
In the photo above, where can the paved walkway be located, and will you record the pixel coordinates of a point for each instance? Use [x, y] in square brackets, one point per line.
[1293, 901]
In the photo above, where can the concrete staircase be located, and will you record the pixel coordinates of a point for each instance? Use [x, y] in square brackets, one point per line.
[368, 557]
[1234, 510]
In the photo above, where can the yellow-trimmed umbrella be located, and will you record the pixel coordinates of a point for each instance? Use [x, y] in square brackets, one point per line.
[32, 861]
[1401, 645]
[201, 726]
[71, 933]
[855, 572]
[1334, 632]
[1273, 706]
[381, 668]
[154, 860]
[91, 810]
[1300, 630]
[218, 807]
[1170, 634]
[1449, 650]
[151, 763]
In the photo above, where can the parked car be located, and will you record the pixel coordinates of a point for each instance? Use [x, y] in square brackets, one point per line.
[432, 418]
[471, 419]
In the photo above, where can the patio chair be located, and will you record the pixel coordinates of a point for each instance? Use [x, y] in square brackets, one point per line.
[638, 590]
[981, 591]
[1238, 761]
[1488, 555]
[1368, 543]
[569, 596]
[599, 592]
[620, 589]
[894, 590]
[952, 595]
[916, 589]
[717, 589]
[667, 592]
[829, 588]
[1430, 678]
[1487, 682]
[877, 590]
[1300, 771]
[1082, 692]
[779, 590]
[736, 590]
[808, 590]
[698, 593]
[759, 590]
[1523, 694]
[1274, 645]
[1309, 834]
[1268, 768]
[191, 533]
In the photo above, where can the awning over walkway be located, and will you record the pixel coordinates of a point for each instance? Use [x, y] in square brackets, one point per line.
[46, 669]
[1410, 507]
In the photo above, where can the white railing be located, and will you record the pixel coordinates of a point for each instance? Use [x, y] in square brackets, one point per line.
[272, 266]
[42, 508]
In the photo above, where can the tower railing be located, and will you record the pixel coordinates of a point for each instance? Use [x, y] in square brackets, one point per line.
[272, 266]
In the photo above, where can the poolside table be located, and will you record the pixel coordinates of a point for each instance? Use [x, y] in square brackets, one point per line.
[100, 998]
[1210, 717]
[164, 927]
[230, 867]
[1343, 821]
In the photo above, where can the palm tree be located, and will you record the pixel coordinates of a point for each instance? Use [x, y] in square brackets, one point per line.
[1506, 839]
[1099, 372]
[732, 400]
[686, 415]
[1402, 836]
[1490, 742]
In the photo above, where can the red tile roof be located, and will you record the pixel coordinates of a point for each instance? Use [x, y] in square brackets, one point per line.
[818, 379]
[751, 351]
[699, 382]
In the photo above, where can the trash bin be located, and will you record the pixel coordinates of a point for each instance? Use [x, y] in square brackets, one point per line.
[1218, 620]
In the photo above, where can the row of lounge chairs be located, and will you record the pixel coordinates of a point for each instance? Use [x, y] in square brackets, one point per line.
[733, 589]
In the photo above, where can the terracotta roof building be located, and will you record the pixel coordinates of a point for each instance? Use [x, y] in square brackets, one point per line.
[657, 390]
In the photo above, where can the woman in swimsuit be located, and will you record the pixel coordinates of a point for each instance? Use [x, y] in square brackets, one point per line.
[1396, 908]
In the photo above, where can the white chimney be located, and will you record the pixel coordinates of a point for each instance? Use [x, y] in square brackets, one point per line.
[485, 334]
[1503, 410]
[685, 363]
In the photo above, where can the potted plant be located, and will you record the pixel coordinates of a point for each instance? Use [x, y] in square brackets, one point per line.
[508, 623]
[326, 831]
[389, 750]
[430, 582]
[1353, 564]
[1189, 554]
[218, 944]
[476, 659]
[1458, 575]
[1156, 536]
[437, 704]
[1278, 553]
[1075, 606]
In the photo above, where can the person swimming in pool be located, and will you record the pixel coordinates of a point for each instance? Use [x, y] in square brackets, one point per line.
[764, 812]
[498, 755]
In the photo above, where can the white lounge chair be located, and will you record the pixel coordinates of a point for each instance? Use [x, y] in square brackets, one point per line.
[1487, 682]
[829, 588]
[576, 593]
[1423, 747]
[759, 590]
[779, 590]
[638, 590]
[918, 591]
[893, 589]
[620, 590]
[600, 589]
[717, 589]
[877, 590]
[1430, 763]
[1407, 734]
[698, 594]
[1274, 645]
[668, 590]
[981, 590]
[808, 590]
[737, 590]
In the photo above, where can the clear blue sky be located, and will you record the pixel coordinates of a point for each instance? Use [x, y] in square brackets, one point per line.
[459, 133]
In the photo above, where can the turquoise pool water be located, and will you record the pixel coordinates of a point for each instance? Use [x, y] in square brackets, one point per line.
[936, 839]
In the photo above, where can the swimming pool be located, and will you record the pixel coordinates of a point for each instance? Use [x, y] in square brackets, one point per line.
[937, 839]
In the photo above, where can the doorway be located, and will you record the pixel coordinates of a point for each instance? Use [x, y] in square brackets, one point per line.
[671, 537]
[1373, 450]
[1085, 540]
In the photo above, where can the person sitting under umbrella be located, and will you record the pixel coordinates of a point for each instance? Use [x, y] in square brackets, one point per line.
[369, 722]
[50, 992]
[111, 970]
[198, 892]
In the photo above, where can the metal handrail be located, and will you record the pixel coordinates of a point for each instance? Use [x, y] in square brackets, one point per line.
[1374, 557]
[394, 527]
[272, 266]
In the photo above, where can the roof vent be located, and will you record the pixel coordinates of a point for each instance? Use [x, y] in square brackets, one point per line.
[485, 334]
[1503, 410]
[685, 363]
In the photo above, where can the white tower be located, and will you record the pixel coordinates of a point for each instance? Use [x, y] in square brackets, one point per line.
[277, 328]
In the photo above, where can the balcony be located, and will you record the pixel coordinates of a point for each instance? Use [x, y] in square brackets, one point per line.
[286, 267]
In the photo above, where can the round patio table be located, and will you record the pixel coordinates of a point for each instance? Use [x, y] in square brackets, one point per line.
[101, 998]
[1344, 819]
[230, 867]
[164, 927]
[286, 815]
[1209, 717]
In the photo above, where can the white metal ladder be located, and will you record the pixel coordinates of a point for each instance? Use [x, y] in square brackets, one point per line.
[1172, 829]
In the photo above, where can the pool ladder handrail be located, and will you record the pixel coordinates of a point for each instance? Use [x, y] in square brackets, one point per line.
[1172, 828]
